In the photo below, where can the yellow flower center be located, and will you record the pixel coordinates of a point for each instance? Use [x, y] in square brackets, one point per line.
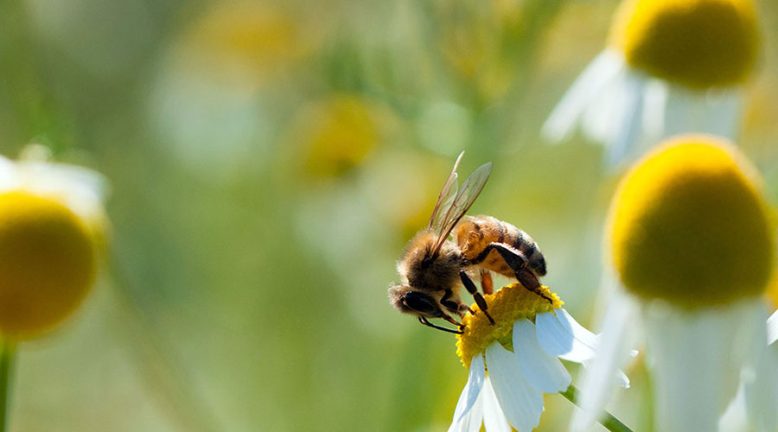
[688, 225]
[506, 306]
[696, 43]
[47, 263]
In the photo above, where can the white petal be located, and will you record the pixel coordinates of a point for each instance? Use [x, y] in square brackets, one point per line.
[9, 176]
[722, 114]
[627, 135]
[469, 396]
[588, 86]
[654, 104]
[760, 384]
[599, 378]
[560, 335]
[494, 418]
[472, 419]
[539, 369]
[735, 418]
[762, 394]
[696, 359]
[700, 112]
[83, 190]
[521, 403]
[772, 328]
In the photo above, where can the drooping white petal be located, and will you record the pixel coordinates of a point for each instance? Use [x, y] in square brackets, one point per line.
[772, 328]
[475, 382]
[696, 360]
[588, 86]
[762, 393]
[604, 115]
[654, 103]
[82, 189]
[759, 387]
[627, 133]
[472, 418]
[9, 177]
[539, 369]
[494, 418]
[702, 112]
[602, 374]
[560, 335]
[735, 418]
[521, 403]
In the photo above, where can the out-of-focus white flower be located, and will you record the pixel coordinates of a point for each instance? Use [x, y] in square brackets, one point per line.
[672, 66]
[692, 247]
[52, 225]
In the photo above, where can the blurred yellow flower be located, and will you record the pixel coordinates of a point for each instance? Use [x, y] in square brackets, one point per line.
[51, 226]
[247, 41]
[337, 135]
[479, 43]
[695, 43]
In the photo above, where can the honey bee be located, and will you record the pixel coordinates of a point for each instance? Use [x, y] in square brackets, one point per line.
[433, 267]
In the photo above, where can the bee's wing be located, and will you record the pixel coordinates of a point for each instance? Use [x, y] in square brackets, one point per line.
[461, 203]
[446, 197]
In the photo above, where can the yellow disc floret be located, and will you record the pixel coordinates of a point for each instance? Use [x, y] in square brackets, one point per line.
[696, 43]
[689, 225]
[47, 263]
[506, 306]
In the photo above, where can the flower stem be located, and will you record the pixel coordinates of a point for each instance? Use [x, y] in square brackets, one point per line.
[607, 420]
[6, 362]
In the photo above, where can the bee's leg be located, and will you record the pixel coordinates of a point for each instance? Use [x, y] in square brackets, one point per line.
[429, 324]
[486, 282]
[518, 263]
[451, 305]
[479, 299]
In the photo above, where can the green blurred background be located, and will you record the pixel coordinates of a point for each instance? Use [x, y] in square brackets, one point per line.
[268, 160]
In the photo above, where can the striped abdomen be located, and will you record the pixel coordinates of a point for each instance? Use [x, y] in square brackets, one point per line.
[475, 233]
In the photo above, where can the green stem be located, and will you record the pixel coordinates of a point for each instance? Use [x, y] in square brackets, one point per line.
[6, 363]
[607, 420]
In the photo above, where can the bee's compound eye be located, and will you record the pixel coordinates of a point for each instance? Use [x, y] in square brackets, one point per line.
[421, 303]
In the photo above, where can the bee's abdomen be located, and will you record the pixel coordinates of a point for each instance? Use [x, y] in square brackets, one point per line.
[475, 233]
[525, 244]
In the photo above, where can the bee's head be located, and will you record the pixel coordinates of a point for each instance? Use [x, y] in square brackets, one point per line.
[407, 300]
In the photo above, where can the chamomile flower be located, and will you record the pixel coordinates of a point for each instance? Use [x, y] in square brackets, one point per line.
[515, 361]
[51, 228]
[671, 66]
[691, 245]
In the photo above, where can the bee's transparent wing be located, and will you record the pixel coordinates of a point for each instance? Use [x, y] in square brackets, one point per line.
[461, 203]
[445, 198]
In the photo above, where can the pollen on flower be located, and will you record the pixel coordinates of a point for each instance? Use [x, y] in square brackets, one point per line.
[47, 263]
[506, 306]
[689, 225]
[700, 44]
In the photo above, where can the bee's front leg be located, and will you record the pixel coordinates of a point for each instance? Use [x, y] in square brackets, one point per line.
[456, 307]
[479, 299]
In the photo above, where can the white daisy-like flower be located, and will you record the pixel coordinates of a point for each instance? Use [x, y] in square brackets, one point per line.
[515, 361]
[51, 229]
[691, 242]
[672, 66]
